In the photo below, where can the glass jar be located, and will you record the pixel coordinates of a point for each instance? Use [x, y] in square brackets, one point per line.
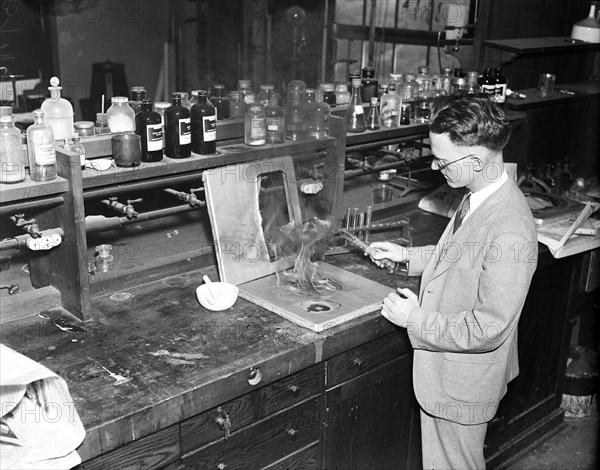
[263, 94]
[78, 148]
[12, 167]
[255, 126]
[101, 124]
[121, 118]
[295, 111]
[423, 76]
[396, 80]
[58, 112]
[328, 90]
[459, 85]
[342, 95]
[389, 112]
[410, 93]
[40, 147]
[473, 87]
[246, 93]
[84, 128]
[105, 261]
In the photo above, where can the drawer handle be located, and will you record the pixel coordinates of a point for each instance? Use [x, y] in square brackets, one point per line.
[358, 363]
[255, 376]
[223, 422]
[294, 390]
[292, 433]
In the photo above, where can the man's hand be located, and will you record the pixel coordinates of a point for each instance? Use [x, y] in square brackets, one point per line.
[397, 307]
[391, 251]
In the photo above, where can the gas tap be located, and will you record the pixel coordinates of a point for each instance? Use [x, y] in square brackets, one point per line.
[29, 226]
[190, 198]
[126, 209]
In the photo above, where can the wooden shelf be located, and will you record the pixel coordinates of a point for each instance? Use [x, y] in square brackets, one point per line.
[29, 189]
[545, 45]
[562, 93]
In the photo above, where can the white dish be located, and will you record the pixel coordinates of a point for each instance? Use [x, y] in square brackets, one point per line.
[225, 295]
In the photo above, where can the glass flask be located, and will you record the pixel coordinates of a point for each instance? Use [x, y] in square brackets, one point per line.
[12, 166]
[295, 111]
[373, 116]
[355, 114]
[389, 108]
[121, 117]
[204, 126]
[148, 125]
[40, 148]
[255, 126]
[58, 112]
[178, 133]
[105, 261]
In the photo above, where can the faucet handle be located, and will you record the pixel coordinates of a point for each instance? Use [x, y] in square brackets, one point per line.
[134, 201]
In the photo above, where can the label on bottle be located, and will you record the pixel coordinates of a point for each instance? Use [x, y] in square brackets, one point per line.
[154, 137]
[500, 95]
[358, 109]
[185, 131]
[44, 154]
[274, 124]
[249, 98]
[209, 128]
[488, 89]
[257, 128]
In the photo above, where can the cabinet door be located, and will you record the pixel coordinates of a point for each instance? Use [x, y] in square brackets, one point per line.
[369, 420]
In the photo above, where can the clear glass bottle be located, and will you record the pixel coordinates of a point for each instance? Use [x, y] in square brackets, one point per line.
[459, 85]
[220, 102]
[275, 120]
[58, 112]
[317, 115]
[204, 126]
[40, 148]
[245, 89]
[373, 115]
[342, 95]
[148, 125]
[389, 108]
[473, 87]
[355, 114]
[447, 80]
[101, 124]
[263, 94]
[12, 167]
[255, 126]
[136, 95]
[237, 107]
[425, 102]
[121, 118]
[78, 148]
[410, 93]
[501, 84]
[423, 77]
[295, 111]
[396, 80]
[178, 131]
[105, 261]
[370, 85]
[383, 89]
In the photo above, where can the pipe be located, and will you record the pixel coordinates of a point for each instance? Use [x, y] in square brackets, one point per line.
[140, 186]
[25, 206]
[21, 240]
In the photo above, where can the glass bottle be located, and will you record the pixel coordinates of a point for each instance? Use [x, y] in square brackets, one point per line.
[12, 167]
[473, 87]
[355, 114]
[317, 115]
[373, 116]
[457, 72]
[220, 102]
[105, 261]
[194, 99]
[396, 80]
[148, 126]
[275, 120]
[501, 84]
[121, 118]
[58, 112]
[237, 107]
[328, 90]
[263, 94]
[184, 99]
[352, 74]
[405, 114]
[255, 126]
[178, 133]
[459, 85]
[295, 111]
[78, 148]
[423, 77]
[447, 80]
[245, 89]
[101, 124]
[160, 107]
[204, 126]
[488, 86]
[40, 148]
[410, 93]
[370, 85]
[425, 103]
[342, 95]
[136, 95]
[390, 106]
[383, 89]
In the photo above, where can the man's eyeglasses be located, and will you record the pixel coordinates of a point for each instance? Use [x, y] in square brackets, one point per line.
[437, 164]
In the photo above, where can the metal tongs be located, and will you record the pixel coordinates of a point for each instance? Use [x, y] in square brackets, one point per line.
[389, 265]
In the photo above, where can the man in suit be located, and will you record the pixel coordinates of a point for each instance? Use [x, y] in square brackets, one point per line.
[463, 323]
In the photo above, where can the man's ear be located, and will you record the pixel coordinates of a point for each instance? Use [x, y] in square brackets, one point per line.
[477, 163]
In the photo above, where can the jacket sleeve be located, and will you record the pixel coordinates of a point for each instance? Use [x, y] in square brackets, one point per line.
[418, 257]
[481, 306]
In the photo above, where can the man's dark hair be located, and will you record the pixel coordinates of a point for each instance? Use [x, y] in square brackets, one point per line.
[471, 120]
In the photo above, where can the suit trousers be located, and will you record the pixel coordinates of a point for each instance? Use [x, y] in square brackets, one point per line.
[447, 445]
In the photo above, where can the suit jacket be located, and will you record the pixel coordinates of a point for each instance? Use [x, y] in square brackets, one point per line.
[473, 287]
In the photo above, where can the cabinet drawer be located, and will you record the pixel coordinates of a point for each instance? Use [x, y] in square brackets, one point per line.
[359, 360]
[202, 429]
[263, 443]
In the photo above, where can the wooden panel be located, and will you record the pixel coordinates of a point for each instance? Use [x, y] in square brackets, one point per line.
[19, 306]
[360, 360]
[152, 452]
[263, 443]
[31, 189]
[308, 458]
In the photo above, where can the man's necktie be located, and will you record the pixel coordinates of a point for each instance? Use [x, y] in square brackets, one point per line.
[462, 212]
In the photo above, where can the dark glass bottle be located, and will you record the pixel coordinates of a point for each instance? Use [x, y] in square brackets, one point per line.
[370, 85]
[148, 125]
[136, 95]
[488, 86]
[178, 131]
[500, 83]
[220, 102]
[204, 126]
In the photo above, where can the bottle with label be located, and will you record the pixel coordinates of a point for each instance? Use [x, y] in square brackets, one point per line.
[58, 112]
[390, 105]
[355, 114]
[220, 102]
[500, 83]
[317, 115]
[275, 120]
[78, 148]
[178, 131]
[204, 126]
[136, 95]
[373, 115]
[473, 87]
[121, 118]
[246, 93]
[12, 167]
[255, 126]
[40, 147]
[486, 81]
[342, 95]
[370, 85]
[295, 111]
[148, 126]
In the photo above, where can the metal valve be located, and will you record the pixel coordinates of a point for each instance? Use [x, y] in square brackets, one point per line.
[294, 390]
[223, 421]
[292, 433]
[126, 209]
[28, 225]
